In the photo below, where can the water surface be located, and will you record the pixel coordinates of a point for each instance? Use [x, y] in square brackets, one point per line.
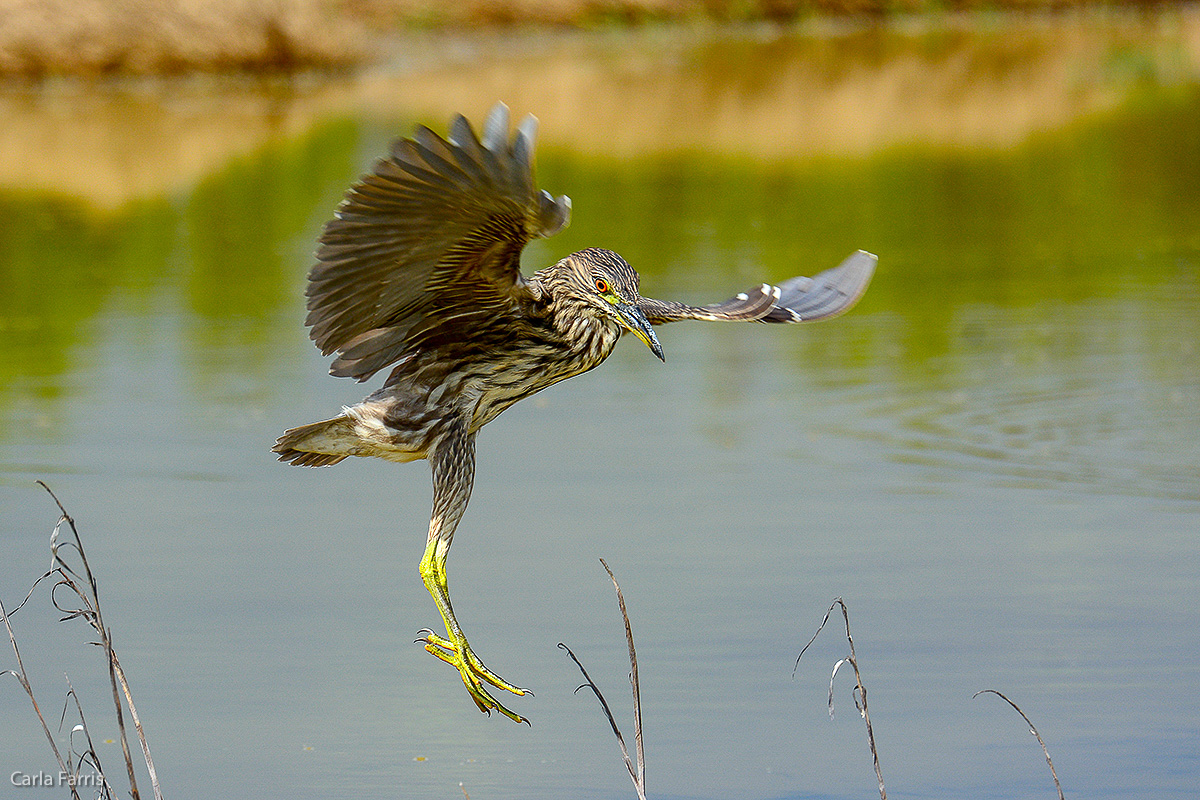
[994, 459]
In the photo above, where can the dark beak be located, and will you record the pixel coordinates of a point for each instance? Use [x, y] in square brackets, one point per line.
[633, 319]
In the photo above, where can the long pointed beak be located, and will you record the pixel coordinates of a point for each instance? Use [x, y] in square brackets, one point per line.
[639, 326]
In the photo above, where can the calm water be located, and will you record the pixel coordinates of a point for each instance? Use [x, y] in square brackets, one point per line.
[995, 459]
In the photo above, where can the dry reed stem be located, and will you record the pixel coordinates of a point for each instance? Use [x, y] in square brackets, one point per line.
[860, 699]
[88, 609]
[88, 756]
[23, 679]
[1033, 730]
[634, 683]
[637, 772]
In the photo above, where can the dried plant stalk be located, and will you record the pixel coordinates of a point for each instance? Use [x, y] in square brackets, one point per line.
[860, 698]
[637, 764]
[1033, 730]
[86, 592]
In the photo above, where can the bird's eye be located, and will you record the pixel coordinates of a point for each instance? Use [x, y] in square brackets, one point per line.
[602, 286]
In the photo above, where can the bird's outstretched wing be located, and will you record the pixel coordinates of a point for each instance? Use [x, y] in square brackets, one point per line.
[428, 245]
[799, 299]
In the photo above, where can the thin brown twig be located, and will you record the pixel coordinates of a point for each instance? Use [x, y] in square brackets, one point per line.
[89, 756]
[112, 682]
[860, 699]
[23, 679]
[637, 772]
[591, 684]
[137, 723]
[634, 683]
[90, 611]
[1032, 730]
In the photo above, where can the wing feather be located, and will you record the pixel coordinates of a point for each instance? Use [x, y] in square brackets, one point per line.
[799, 299]
[427, 246]
[832, 292]
[495, 128]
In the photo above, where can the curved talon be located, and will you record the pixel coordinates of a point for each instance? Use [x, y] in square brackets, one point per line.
[474, 674]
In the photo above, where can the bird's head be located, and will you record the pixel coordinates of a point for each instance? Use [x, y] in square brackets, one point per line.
[602, 282]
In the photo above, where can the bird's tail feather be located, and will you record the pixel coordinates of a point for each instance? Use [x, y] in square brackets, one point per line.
[319, 444]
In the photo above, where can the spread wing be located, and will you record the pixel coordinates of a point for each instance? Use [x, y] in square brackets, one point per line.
[799, 299]
[427, 246]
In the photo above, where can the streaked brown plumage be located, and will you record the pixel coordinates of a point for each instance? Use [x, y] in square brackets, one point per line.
[419, 271]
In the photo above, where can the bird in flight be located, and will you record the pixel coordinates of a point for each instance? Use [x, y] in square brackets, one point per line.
[419, 272]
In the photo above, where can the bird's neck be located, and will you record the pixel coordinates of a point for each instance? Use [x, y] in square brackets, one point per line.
[588, 338]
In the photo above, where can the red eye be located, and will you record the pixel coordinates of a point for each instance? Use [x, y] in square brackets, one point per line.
[602, 286]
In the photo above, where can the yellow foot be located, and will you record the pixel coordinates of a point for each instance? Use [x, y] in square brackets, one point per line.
[473, 672]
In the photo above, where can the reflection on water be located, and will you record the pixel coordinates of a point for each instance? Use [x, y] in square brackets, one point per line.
[223, 259]
[760, 92]
[993, 458]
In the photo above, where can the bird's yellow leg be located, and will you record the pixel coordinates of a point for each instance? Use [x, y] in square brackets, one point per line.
[454, 649]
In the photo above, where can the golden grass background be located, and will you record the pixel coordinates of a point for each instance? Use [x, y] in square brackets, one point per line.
[622, 94]
[102, 37]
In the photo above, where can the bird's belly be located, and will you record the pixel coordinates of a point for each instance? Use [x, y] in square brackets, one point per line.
[440, 388]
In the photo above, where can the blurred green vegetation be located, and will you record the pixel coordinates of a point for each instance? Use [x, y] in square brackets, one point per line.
[224, 257]
[1105, 209]
[248, 232]
[58, 265]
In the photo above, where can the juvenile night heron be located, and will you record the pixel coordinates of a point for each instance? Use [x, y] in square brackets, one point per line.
[420, 271]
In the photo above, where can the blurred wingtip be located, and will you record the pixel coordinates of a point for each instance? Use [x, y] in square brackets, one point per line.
[853, 276]
[826, 295]
[861, 262]
[495, 128]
